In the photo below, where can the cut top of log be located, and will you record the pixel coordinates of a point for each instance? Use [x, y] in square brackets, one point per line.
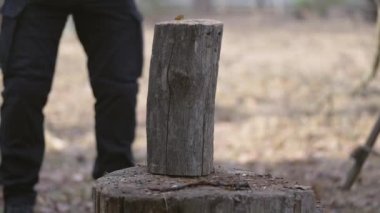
[191, 22]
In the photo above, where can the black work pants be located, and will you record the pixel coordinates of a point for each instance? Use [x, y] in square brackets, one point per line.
[110, 32]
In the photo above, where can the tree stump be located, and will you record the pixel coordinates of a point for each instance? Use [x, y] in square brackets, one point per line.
[181, 96]
[134, 190]
[180, 126]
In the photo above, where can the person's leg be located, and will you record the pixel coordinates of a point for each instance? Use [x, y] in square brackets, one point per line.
[110, 32]
[29, 43]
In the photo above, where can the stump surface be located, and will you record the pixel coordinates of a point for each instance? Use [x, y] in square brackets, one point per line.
[135, 190]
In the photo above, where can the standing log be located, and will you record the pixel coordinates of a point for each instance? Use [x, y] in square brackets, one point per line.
[181, 97]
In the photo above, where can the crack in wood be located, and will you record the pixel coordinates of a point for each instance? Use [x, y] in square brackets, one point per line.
[238, 186]
[168, 116]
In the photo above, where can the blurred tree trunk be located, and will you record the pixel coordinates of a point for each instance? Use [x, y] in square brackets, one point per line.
[371, 11]
[202, 5]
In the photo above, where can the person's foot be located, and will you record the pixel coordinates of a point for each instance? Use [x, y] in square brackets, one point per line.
[21, 208]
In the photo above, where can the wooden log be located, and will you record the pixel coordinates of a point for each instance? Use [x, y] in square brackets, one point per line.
[181, 97]
[225, 191]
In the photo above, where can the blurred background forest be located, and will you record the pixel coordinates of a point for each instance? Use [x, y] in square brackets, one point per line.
[296, 8]
[284, 101]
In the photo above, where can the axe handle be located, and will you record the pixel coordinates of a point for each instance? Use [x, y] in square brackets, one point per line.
[361, 156]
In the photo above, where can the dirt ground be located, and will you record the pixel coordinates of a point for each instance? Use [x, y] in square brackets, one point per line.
[284, 106]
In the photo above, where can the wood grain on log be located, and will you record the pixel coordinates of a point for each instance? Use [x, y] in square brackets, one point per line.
[181, 97]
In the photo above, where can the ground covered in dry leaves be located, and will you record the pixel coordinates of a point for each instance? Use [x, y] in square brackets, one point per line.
[284, 106]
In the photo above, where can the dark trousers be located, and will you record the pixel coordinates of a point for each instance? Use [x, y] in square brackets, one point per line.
[110, 32]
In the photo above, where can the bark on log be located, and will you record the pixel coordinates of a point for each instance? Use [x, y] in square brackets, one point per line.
[225, 191]
[181, 97]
